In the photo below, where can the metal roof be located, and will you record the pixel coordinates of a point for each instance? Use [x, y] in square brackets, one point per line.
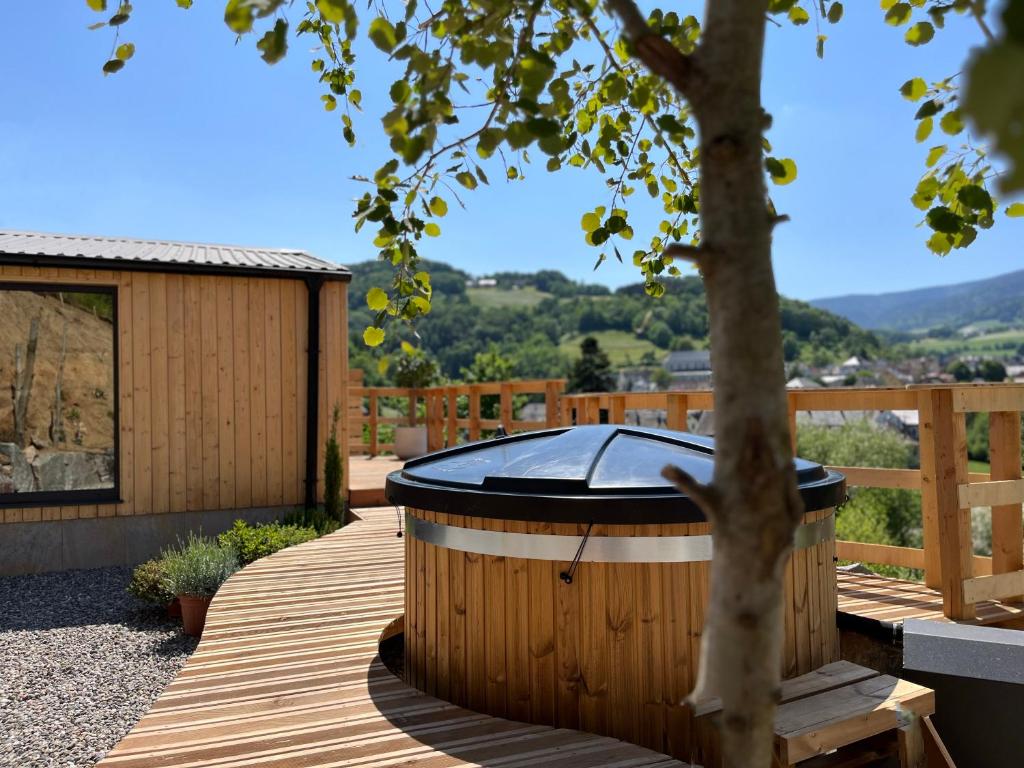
[43, 249]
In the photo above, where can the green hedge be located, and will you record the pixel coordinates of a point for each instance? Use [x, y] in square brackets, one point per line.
[251, 543]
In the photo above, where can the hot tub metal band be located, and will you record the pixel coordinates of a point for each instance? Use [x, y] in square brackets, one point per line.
[599, 549]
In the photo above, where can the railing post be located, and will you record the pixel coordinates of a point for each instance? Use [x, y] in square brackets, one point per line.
[1007, 523]
[474, 412]
[373, 423]
[435, 420]
[453, 414]
[675, 413]
[505, 406]
[616, 409]
[944, 431]
[565, 408]
[414, 399]
[791, 409]
[551, 411]
[929, 502]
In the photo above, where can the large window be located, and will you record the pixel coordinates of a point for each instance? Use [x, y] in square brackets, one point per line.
[58, 395]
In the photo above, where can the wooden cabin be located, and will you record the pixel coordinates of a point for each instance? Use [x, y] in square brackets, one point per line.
[149, 388]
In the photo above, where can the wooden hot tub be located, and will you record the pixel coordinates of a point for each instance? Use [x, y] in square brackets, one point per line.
[498, 619]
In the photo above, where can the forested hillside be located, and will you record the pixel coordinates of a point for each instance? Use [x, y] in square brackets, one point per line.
[538, 319]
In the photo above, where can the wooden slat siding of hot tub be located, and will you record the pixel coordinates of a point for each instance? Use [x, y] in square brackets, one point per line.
[567, 662]
[622, 661]
[194, 382]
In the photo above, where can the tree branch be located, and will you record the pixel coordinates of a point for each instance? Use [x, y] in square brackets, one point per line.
[692, 253]
[705, 496]
[657, 53]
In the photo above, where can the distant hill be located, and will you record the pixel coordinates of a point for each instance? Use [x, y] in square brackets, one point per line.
[995, 299]
[537, 321]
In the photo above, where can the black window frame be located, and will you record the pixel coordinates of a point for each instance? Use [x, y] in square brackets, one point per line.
[86, 496]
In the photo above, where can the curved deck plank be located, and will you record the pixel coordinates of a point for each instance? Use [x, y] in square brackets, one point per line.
[287, 676]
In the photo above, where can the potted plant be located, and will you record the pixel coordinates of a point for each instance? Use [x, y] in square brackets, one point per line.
[194, 572]
[415, 370]
[149, 584]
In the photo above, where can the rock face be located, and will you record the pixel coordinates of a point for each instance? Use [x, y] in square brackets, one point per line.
[15, 471]
[32, 470]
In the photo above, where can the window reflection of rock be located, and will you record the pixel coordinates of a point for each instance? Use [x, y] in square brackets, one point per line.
[56, 391]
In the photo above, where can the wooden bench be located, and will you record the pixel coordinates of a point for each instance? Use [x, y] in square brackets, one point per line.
[288, 676]
[843, 715]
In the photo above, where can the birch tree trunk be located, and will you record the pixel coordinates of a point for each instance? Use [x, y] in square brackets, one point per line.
[752, 503]
[21, 389]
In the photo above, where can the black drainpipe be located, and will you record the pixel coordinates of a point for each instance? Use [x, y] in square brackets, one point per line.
[313, 285]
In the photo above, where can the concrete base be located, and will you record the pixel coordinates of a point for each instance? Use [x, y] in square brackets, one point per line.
[60, 545]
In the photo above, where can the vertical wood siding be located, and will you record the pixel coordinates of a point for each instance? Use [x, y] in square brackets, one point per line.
[212, 389]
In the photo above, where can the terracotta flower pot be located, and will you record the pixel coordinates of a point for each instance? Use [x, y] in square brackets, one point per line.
[174, 609]
[193, 613]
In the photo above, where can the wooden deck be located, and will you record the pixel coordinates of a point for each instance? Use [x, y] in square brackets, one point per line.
[890, 602]
[366, 479]
[287, 675]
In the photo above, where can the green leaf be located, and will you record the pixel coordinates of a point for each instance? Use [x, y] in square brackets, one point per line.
[934, 154]
[438, 207]
[995, 102]
[782, 171]
[400, 91]
[1016, 210]
[924, 130]
[431, 229]
[97, 5]
[408, 348]
[835, 13]
[898, 14]
[819, 46]
[798, 15]
[466, 179]
[238, 15]
[329, 102]
[920, 33]
[590, 222]
[975, 197]
[952, 122]
[112, 66]
[383, 34]
[914, 89]
[186, 4]
[941, 219]
[373, 337]
[376, 299]
[939, 244]
[929, 108]
[332, 10]
[274, 43]
[125, 51]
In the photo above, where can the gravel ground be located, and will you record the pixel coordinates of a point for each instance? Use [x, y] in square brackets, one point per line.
[80, 663]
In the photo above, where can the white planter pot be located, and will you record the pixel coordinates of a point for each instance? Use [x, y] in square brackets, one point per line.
[410, 442]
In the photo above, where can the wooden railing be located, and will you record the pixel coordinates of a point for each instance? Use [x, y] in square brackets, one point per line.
[948, 490]
[441, 409]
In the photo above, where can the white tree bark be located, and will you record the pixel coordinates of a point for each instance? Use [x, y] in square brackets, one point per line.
[753, 502]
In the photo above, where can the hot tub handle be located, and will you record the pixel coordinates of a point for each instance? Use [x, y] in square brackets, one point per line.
[567, 575]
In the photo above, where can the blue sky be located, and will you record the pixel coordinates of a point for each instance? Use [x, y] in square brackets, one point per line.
[197, 139]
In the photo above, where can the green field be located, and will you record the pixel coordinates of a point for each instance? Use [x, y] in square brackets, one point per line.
[504, 297]
[991, 344]
[979, 466]
[619, 345]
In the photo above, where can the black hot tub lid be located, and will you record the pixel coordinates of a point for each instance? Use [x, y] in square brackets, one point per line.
[605, 474]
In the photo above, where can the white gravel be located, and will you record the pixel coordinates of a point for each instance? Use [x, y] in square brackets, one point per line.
[80, 663]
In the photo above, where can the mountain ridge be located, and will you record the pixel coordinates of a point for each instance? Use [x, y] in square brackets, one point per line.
[999, 299]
